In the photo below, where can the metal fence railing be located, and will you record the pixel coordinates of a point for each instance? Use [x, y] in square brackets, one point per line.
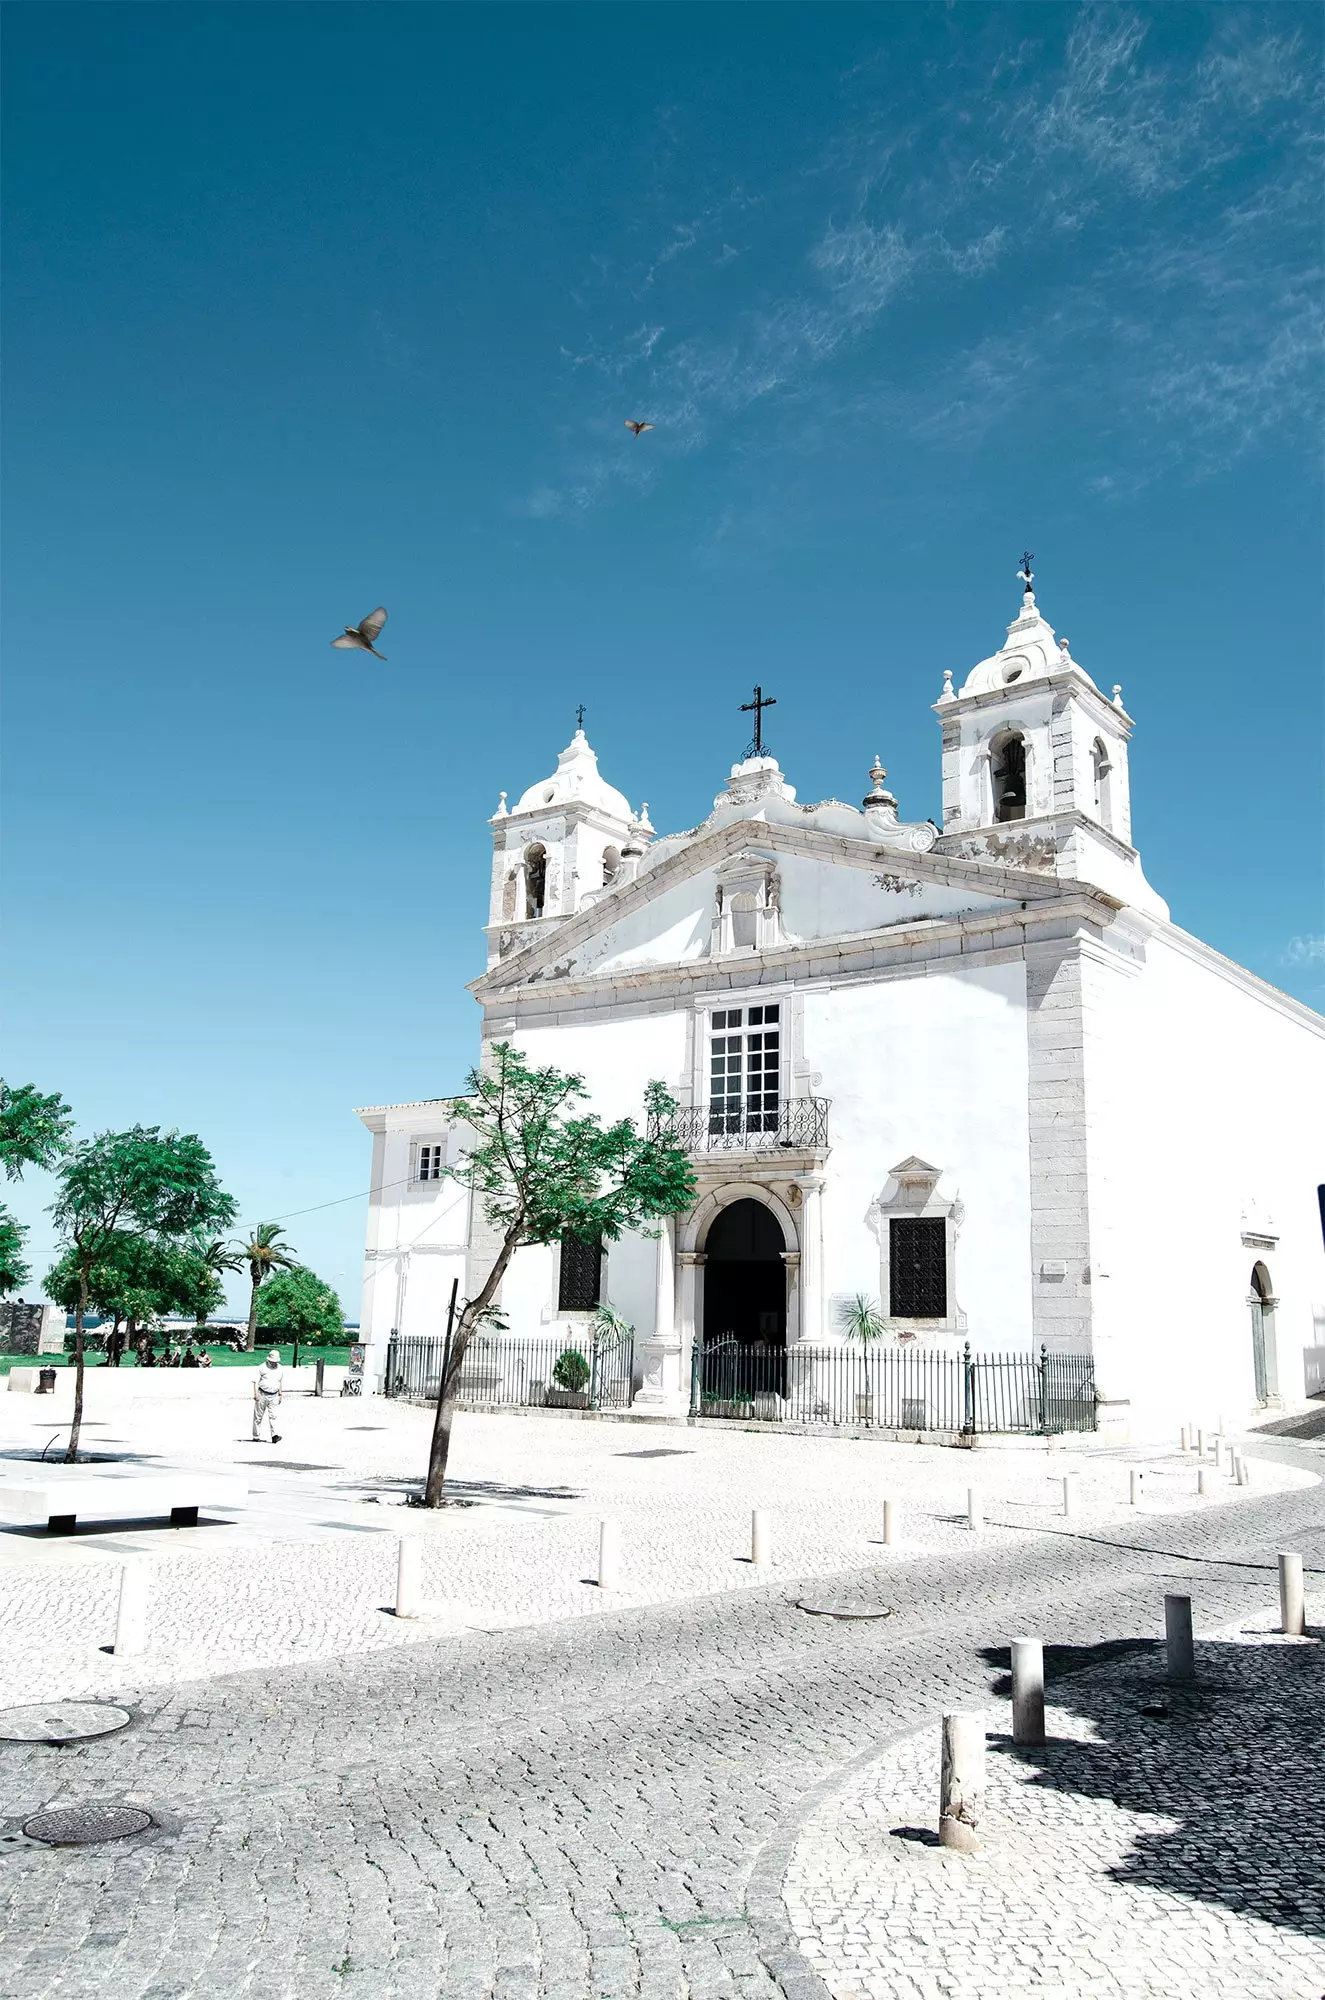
[503, 1370]
[895, 1388]
[794, 1124]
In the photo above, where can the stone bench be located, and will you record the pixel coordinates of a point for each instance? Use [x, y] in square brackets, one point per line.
[61, 1496]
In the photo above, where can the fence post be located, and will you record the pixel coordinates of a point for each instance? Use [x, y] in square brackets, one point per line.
[593, 1368]
[968, 1374]
[1044, 1389]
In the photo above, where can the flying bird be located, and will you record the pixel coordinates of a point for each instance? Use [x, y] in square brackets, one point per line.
[632, 424]
[360, 637]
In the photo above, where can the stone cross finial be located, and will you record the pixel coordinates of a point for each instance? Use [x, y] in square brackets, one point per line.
[1026, 573]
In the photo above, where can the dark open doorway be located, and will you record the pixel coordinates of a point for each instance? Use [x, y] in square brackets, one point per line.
[745, 1280]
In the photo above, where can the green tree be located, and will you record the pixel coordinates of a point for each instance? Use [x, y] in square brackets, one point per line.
[151, 1183]
[34, 1130]
[538, 1171]
[299, 1304]
[265, 1254]
[134, 1278]
[210, 1255]
[14, 1268]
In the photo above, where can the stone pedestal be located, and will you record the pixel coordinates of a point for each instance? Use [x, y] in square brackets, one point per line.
[664, 1390]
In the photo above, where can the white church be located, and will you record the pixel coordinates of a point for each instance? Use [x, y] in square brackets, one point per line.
[973, 1073]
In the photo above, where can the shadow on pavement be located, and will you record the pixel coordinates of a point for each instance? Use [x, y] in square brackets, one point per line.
[1232, 1763]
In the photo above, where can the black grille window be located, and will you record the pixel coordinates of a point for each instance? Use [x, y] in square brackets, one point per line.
[918, 1267]
[581, 1271]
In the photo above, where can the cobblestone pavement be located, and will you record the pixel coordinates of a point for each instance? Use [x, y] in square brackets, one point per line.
[1133, 1855]
[305, 1572]
[576, 1810]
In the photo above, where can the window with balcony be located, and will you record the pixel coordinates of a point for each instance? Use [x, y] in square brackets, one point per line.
[745, 1059]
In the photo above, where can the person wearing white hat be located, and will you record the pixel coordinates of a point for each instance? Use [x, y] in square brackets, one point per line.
[267, 1398]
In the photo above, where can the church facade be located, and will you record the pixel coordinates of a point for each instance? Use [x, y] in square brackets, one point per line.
[971, 1072]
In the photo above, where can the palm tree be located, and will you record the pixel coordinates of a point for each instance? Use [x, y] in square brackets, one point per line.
[214, 1256]
[264, 1253]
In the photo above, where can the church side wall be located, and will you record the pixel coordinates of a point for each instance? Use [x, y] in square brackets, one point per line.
[934, 1065]
[1205, 1105]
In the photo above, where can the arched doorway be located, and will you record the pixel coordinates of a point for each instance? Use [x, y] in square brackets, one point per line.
[745, 1279]
[1265, 1360]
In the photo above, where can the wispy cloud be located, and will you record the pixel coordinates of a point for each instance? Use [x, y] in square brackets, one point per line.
[1147, 219]
[1305, 951]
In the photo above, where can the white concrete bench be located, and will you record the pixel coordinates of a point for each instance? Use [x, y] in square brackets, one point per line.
[61, 1496]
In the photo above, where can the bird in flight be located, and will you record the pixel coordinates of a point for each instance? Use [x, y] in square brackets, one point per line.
[636, 425]
[360, 637]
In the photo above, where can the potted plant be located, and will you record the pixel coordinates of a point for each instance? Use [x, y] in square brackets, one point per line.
[570, 1372]
[860, 1318]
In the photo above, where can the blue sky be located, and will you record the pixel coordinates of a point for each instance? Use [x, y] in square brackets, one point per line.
[309, 308]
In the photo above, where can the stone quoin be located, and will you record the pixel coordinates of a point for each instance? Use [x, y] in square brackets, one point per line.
[973, 1072]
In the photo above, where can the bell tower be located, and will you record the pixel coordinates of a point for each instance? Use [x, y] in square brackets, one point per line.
[1035, 762]
[569, 840]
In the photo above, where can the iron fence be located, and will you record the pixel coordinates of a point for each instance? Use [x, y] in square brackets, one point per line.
[795, 1123]
[896, 1388]
[502, 1370]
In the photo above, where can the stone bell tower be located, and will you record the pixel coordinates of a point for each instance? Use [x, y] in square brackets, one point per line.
[1035, 762]
[568, 840]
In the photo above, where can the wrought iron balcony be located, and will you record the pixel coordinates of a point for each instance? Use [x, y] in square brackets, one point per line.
[797, 1124]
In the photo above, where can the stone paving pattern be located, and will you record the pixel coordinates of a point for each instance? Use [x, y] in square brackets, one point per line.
[1132, 1856]
[572, 1810]
[305, 1572]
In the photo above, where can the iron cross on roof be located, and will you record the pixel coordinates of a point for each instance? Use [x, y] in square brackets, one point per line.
[758, 705]
[579, 716]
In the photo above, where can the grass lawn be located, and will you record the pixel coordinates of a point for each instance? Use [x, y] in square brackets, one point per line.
[222, 1357]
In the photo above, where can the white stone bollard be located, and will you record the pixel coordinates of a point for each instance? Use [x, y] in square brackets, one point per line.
[131, 1614]
[1241, 1470]
[1071, 1485]
[962, 1781]
[1136, 1485]
[892, 1522]
[609, 1555]
[974, 1510]
[1219, 1454]
[1203, 1482]
[1292, 1599]
[1179, 1648]
[761, 1540]
[409, 1576]
[1200, 1444]
[1184, 1439]
[1027, 1691]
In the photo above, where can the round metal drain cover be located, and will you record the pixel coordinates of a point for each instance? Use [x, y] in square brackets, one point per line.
[82, 1826]
[841, 1607]
[61, 1722]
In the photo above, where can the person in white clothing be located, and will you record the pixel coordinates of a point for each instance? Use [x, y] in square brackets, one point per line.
[267, 1398]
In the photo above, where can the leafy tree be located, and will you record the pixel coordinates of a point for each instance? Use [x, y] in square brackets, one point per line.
[14, 1268]
[538, 1171]
[299, 1304]
[151, 1183]
[134, 1278]
[34, 1130]
[265, 1254]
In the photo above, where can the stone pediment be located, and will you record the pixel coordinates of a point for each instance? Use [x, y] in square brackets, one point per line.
[737, 889]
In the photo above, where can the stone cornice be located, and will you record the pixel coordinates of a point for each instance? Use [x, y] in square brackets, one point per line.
[917, 948]
[1237, 975]
[1075, 680]
[1013, 886]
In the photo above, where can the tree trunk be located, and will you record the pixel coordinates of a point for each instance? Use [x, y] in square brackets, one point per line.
[252, 1334]
[71, 1456]
[435, 1486]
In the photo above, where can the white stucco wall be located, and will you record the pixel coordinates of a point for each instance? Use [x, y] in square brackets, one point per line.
[934, 1066]
[1205, 1112]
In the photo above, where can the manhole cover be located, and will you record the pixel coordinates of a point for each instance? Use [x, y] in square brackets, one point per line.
[81, 1826]
[61, 1722]
[841, 1607]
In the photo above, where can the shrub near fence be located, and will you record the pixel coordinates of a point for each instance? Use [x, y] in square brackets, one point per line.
[895, 1388]
[503, 1371]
